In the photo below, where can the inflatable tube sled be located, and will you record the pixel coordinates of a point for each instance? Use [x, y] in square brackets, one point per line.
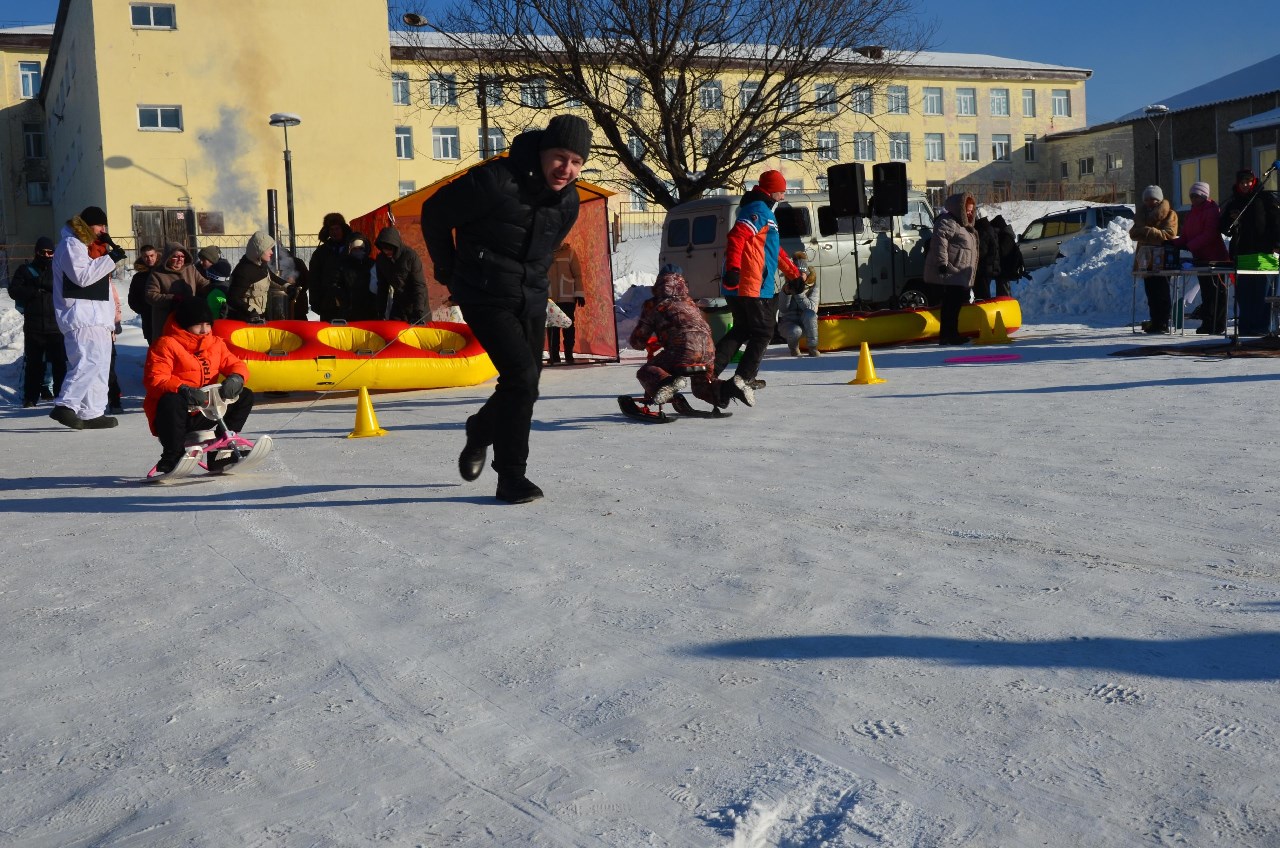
[314, 356]
[841, 332]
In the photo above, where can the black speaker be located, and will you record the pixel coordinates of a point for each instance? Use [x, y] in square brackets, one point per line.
[847, 187]
[889, 188]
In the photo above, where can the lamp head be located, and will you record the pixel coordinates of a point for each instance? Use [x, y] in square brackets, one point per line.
[284, 119]
[413, 19]
[1156, 109]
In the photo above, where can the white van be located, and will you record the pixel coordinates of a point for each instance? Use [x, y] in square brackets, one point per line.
[861, 263]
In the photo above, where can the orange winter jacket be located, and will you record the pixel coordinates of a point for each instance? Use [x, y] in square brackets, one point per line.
[179, 358]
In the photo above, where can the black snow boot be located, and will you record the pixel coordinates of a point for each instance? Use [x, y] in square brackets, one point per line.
[471, 460]
[66, 417]
[517, 489]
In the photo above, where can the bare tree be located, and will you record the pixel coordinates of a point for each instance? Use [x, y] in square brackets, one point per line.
[655, 75]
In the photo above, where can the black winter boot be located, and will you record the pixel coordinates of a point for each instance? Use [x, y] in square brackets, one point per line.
[471, 460]
[517, 489]
[65, 416]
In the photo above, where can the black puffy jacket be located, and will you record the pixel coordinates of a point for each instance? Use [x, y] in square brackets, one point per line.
[400, 275]
[1259, 228]
[31, 287]
[492, 232]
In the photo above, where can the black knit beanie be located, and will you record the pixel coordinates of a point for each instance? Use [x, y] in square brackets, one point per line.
[94, 216]
[192, 311]
[569, 132]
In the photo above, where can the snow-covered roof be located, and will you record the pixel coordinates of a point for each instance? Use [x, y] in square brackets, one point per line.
[1260, 78]
[982, 60]
[36, 29]
[1263, 121]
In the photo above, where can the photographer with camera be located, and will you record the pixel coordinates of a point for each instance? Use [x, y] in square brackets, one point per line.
[86, 315]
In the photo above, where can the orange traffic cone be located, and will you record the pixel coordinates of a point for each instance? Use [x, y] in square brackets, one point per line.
[866, 370]
[366, 420]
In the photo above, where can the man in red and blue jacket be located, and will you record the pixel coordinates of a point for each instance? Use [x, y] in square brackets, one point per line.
[753, 254]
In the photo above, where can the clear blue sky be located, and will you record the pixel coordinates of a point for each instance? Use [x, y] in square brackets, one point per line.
[1139, 53]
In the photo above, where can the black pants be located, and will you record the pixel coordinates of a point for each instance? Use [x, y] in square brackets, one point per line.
[1213, 294]
[953, 298]
[37, 349]
[113, 382]
[1158, 300]
[173, 422]
[753, 322]
[554, 333]
[514, 343]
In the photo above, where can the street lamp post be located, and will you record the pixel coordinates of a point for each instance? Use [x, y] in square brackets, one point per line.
[286, 120]
[1157, 114]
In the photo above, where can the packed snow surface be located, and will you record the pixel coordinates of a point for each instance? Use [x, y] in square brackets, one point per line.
[1023, 604]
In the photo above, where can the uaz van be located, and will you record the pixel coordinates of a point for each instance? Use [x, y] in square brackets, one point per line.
[861, 263]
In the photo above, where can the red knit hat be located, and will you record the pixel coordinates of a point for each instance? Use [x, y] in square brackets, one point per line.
[771, 181]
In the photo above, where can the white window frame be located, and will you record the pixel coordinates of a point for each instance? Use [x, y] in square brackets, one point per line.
[406, 188]
[864, 147]
[862, 101]
[711, 95]
[399, 88]
[160, 111]
[1084, 166]
[533, 93]
[443, 89]
[897, 100]
[1028, 102]
[828, 146]
[635, 145]
[824, 95]
[29, 73]
[1001, 147]
[38, 193]
[446, 143]
[710, 142]
[490, 90]
[151, 15]
[1029, 147]
[967, 147]
[935, 147]
[966, 102]
[639, 200]
[998, 102]
[747, 89]
[790, 145]
[33, 146]
[931, 103]
[404, 142]
[634, 98]
[1062, 103]
[789, 97]
[899, 147]
[497, 140]
[795, 186]
[754, 144]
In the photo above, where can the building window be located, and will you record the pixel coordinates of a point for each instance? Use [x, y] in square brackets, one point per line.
[966, 101]
[789, 97]
[38, 193]
[934, 147]
[828, 145]
[795, 186]
[497, 141]
[444, 90]
[639, 201]
[1064, 172]
[1061, 103]
[400, 88]
[1000, 102]
[754, 144]
[900, 147]
[33, 140]
[404, 142]
[711, 142]
[968, 147]
[164, 118]
[864, 147]
[635, 94]
[1029, 148]
[896, 102]
[933, 101]
[789, 145]
[635, 145]
[671, 90]
[1001, 148]
[824, 95]
[534, 93]
[152, 16]
[407, 187]
[746, 91]
[445, 143]
[1114, 162]
[711, 95]
[29, 72]
[1086, 166]
[822, 183]
[1028, 102]
[488, 92]
[862, 102]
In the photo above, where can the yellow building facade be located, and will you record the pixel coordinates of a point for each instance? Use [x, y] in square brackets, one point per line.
[158, 112]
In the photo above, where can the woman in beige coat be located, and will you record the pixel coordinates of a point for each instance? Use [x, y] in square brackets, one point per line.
[1154, 223]
[565, 276]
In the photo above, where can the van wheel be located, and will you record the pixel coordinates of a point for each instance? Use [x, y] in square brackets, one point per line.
[912, 299]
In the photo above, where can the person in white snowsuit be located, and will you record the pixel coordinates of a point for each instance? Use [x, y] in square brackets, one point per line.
[86, 315]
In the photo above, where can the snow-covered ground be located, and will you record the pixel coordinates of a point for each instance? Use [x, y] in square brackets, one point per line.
[1022, 604]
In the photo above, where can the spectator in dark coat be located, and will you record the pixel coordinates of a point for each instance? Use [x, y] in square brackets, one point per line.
[252, 282]
[325, 286]
[31, 287]
[988, 258]
[356, 271]
[687, 350]
[175, 268]
[1012, 265]
[491, 234]
[401, 279]
[1251, 219]
[148, 258]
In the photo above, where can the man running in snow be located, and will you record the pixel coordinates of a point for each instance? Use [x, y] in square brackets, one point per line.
[86, 316]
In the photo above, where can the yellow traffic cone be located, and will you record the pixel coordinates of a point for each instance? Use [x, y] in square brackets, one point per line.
[366, 420]
[866, 370]
[997, 334]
